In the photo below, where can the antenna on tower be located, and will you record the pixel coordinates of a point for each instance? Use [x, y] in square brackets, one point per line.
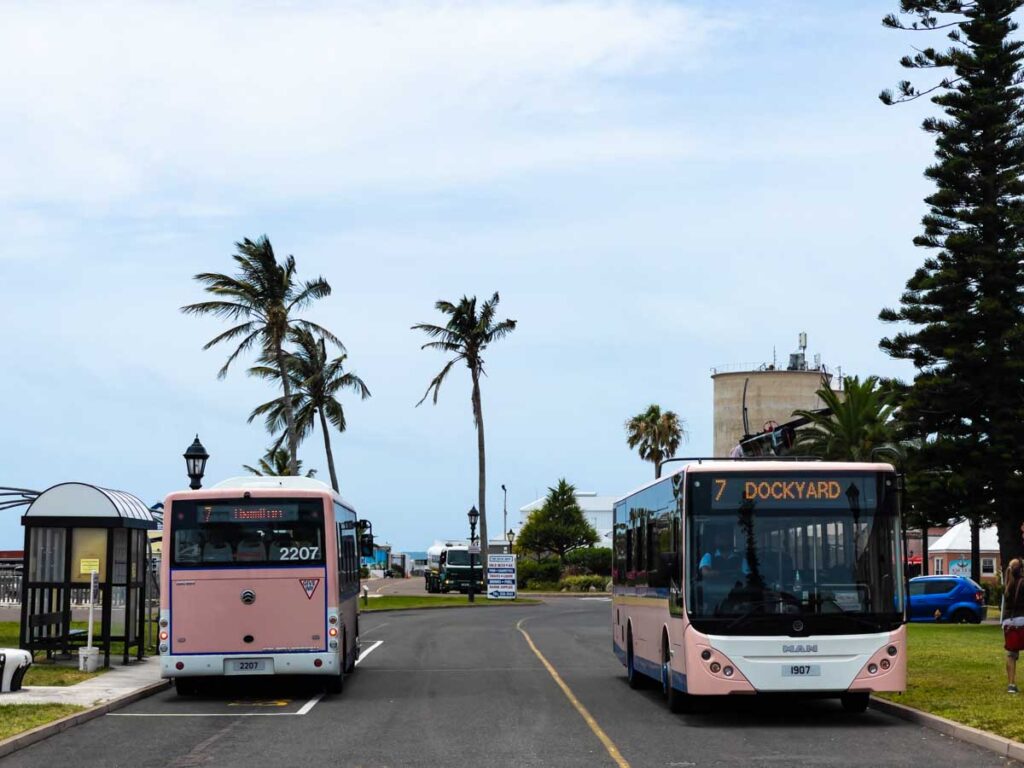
[803, 341]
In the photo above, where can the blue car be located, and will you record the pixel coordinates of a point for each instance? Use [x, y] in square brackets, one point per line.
[954, 599]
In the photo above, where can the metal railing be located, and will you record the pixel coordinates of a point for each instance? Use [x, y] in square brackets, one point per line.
[10, 585]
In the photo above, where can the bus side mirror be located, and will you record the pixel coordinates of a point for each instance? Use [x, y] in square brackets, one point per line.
[365, 528]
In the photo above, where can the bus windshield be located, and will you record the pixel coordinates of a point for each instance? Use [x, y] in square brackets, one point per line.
[247, 532]
[793, 553]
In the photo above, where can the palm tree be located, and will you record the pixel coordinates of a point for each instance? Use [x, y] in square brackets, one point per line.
[264, 294]
[467, 334]
[275, 463]
[858, 425]
[656, 435]
[315, 383]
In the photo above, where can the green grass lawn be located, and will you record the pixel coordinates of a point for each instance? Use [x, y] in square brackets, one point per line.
[958, 671]
[398, 602]
[15, 718]
[42, 672]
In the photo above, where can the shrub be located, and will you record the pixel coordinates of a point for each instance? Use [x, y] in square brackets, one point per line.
[364, 572]
[542, 586]
[530, 570]
[592, 559]
[583, 583]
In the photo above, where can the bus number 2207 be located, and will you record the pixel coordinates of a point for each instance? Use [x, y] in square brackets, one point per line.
[300, 553]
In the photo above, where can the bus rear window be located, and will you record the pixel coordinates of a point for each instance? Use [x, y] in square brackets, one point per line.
[247, 532]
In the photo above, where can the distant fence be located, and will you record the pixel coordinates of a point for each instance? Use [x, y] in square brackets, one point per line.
[10, 584]
[10, 589]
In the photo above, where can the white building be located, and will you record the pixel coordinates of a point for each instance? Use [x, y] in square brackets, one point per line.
[597, 510]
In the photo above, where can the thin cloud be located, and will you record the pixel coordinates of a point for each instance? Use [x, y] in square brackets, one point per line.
[133, 105]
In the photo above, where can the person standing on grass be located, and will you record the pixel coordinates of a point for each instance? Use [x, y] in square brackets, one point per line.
[1013, 620]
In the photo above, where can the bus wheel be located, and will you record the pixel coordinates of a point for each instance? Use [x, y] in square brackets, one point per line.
[675, 698]
[350, 665]
[634, 678]
[854, 703]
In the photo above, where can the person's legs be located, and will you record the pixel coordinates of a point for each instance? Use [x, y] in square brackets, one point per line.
[1011, 670]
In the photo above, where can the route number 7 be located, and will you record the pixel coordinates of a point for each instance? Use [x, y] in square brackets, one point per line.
[721, 488]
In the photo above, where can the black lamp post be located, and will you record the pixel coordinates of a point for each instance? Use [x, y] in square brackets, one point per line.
[473, 517]
[504, 507]
[195, 464]
[511, 536]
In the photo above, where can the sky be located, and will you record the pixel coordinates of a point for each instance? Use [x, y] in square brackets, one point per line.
[655, 188]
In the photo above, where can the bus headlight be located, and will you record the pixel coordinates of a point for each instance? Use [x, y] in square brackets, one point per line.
[885, 663]
[872, 668]
[892, 650]
[727, 671]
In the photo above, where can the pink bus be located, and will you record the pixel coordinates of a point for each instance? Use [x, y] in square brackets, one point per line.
[741, 577]
[259, 576]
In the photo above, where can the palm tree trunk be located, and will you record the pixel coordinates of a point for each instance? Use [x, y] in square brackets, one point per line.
[478, 415]
[327, 447]
[289, 415]
[657, 469]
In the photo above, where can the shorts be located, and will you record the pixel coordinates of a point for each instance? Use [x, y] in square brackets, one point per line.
[1013, 655]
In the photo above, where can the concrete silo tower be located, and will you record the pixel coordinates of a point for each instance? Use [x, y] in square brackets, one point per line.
[772, 393]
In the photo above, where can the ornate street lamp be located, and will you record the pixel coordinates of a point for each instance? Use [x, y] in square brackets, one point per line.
[511, 536]
[195, 464]
[473, 517]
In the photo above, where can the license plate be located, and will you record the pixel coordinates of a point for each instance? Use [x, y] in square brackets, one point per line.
[801, 670]
[249, 667]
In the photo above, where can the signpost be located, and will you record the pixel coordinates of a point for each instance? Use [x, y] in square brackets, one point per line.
[501, 577]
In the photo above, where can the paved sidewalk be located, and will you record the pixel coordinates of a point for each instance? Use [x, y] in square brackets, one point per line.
[118, 681]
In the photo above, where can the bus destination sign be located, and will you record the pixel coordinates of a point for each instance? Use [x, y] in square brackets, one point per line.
[775, 491]
[256, 513]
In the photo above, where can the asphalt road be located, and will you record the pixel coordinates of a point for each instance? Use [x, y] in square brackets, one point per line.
[462, 687]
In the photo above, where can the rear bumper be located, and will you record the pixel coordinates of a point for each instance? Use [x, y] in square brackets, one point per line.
[218, 665]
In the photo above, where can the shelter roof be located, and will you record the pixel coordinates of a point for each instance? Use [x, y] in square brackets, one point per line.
[90, 502]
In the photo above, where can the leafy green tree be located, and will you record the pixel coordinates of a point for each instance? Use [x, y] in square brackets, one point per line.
[467, 334]
[275, 463]
[656, 435]
[963, 305]
[858, 426]
[316, 382]
[264, 294]
[558, 527]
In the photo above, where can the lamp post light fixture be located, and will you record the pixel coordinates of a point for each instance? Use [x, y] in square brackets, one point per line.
[511, 536]
[195, 464]
[474, 516]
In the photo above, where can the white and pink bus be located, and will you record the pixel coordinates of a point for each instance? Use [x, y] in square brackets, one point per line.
[259, 576]
[741, 577]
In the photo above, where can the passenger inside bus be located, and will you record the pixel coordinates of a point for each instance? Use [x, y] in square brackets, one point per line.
[217, 550]
[251, 548]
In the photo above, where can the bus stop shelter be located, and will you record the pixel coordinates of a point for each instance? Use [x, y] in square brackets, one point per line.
[71, 531]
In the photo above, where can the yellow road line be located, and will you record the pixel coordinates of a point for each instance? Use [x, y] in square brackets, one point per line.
[609, 745]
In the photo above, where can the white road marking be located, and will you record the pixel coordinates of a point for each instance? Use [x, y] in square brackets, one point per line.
[598, 599]
[374, 629]
[369, 650]
[310, 704]
[303, 711]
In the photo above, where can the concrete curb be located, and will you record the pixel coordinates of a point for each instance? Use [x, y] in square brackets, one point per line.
[1003, 747]
[37, 734]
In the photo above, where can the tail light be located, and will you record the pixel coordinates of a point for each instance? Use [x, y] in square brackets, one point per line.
[979, 598]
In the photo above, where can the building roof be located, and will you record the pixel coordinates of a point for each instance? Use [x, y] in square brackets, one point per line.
[92, 502]
[589, 501]
[958, 539]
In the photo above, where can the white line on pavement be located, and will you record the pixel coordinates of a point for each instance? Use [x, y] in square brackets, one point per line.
[310, 704]
[374, 629]
[369, 650]
[303, 711]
